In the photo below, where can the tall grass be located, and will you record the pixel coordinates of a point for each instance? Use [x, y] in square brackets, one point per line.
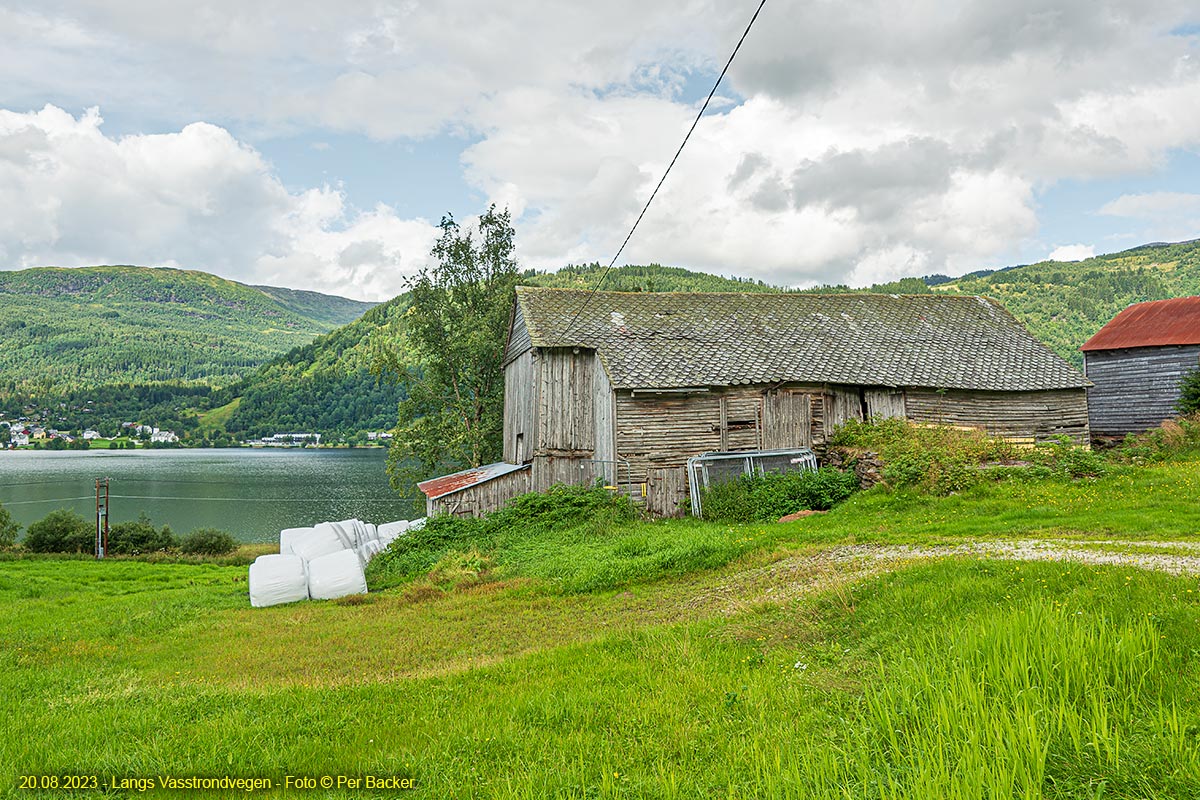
[1011, 705]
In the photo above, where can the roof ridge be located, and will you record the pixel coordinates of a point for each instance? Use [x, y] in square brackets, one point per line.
[785, 293]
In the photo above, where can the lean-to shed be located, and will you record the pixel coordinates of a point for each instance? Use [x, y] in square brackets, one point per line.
[1136, 362]
[626, 387]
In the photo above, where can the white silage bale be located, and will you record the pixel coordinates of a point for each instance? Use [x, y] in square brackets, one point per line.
[288, 538]
[369, 549]
[347, 532]
[322, 541]
[371, 532]
[336, 575]
[389, 531]
[276, 579]
[417, 524]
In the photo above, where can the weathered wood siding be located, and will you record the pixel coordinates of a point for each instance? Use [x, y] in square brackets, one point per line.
[842, 404]
[667, 491]
[884, 403]
[566, 413]
[666, 430]
[1027, 417]
[741, 420]
[788, 418]
[605, 404]
[520, 408]
[482, 498]
[1135, 388]
[518, 335]
[549, 470]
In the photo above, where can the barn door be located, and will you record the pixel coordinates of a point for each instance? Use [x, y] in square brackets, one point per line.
[787, 419]
[666, 491]
[884, 403]
[841, 406]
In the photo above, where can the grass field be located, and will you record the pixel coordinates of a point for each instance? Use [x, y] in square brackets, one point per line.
[666, 659]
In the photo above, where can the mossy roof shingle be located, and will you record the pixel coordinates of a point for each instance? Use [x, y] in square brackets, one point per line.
[675, 340]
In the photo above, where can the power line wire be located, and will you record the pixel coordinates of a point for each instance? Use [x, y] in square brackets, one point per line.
[21, 503]
[645, 208]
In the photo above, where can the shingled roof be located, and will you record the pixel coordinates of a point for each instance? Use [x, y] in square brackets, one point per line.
[679, 340]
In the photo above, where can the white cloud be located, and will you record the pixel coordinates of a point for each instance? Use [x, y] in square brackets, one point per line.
[196, 198]
[1152, 205]
[869, 145]
[1161, 216]
[1071, 252]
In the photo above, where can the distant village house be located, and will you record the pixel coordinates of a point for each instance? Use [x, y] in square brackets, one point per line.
[625, 387]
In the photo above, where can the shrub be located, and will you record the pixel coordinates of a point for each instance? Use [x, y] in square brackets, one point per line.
[61, 531]
[528, 516]
[8, 529]
[208, 542]
[1189, 393]
[771, 495]
[1067, 460]
[139, 536]
[1174, 437]
[942, 460]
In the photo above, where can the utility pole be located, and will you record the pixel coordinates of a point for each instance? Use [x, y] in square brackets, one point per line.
[101, 517]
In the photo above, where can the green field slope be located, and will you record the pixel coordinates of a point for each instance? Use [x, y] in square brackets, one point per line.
[64, 329]
[698, 660]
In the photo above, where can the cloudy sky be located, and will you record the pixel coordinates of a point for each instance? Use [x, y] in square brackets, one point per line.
[316, 144]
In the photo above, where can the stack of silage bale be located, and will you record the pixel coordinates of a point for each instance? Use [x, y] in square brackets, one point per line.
[323, 562]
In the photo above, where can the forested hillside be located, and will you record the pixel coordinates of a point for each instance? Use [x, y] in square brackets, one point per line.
[1065, 303]
[325, 386]
[80, 328]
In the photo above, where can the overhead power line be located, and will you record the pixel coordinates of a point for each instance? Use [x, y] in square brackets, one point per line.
[645, 208]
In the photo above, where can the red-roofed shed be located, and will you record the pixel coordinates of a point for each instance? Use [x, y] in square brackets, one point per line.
[1136, 362]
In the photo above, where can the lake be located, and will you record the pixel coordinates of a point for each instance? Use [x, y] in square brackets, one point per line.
[253, 494]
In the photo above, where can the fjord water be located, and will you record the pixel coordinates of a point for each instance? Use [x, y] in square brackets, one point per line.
[250, 493]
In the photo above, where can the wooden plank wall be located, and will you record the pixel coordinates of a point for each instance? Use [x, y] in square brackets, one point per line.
[842, 403]
[1026, 417]
[569, 470]
[667, 491]
[604, 402]
[787, 419]
[1136, 388]
[666, 430]
[566, 413]
[518, 335]
[741, 419]
[520, 408]
[884, 403]
[482, 498]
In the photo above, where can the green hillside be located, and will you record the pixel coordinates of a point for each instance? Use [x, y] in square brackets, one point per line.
[325, 386]
[1065, 303]
[65, 329]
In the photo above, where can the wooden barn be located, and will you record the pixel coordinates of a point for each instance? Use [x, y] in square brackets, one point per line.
[626, 386]
[1136, 362]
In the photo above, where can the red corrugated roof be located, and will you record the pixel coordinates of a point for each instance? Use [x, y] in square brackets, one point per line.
[449, 484]
[1153, 324]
